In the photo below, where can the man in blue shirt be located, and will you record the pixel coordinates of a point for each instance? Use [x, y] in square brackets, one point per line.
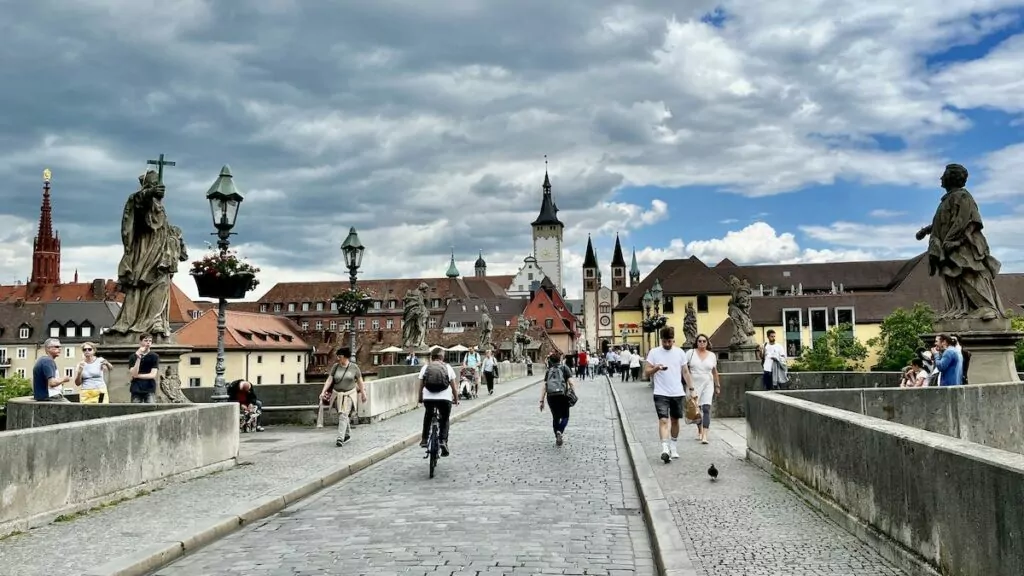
[948, 361]
[46, 386]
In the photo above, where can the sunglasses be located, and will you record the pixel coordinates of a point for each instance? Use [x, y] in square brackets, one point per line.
[702, 341]
[86, 349]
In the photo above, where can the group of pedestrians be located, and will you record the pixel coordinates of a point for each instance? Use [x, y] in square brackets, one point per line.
[944, 364]
[92, 374]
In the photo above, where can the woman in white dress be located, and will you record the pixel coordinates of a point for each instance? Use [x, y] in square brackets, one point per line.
[701, 375]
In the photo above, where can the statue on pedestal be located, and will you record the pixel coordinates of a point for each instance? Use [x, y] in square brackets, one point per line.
[521, 339]
[414, 319]
[959, 254]
[486, 327]
[152, 250]
[690, 326]
[739, 312]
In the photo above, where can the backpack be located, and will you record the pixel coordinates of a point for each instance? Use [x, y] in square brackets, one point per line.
[435, 377]
[554, 381]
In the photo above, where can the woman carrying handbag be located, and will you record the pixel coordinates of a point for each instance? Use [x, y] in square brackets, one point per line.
[344, 380]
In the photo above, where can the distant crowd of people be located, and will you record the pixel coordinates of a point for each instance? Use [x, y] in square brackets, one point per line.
[944, 364]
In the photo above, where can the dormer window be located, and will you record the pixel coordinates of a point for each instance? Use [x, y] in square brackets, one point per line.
[392, 304]
[319, 306]
[264, 308]
[277, 307]
[497, 308]
[194, 314]
[376, 304]
[305, 306]
[70, 330]
[291, 306]
[54, 331]
[23, 333]
[86, 331]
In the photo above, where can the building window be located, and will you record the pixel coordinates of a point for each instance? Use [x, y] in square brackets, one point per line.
[668, 306]
[54, 331]
[392, 304]
[333, 325]
[259, 359]
[305, 325]
[432, 323]
[69, 352]
[69, 331]
[282, 378]
[549, 324]
[319, 306]
[792, 327]
[195, 360]
[305, 306]
[846, 316]
[195, 382]
[264, 308]
[23, 333]
[361, 324]
[435, 303]
[389, 323]
[588, 273]
[86, 331]
[347, 325]
[375, 324]
[819, 323]
[376, 359]
[298, 377]
[282, 358]
[529, 276]
[376, 304]
[606, 308]
[20, 372]
[334, 306]
[299, 358]
[69, 372]
[319, 324]
[702, 303]
[277, 307]
[291, 306]
[259, 379]
[22, 353]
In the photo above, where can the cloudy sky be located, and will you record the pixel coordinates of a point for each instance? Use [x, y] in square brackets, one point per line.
[759, 131]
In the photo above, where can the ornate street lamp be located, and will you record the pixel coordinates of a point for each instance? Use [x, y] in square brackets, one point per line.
[352, 249]
[657, 294]
[648, 299]
[224, 200]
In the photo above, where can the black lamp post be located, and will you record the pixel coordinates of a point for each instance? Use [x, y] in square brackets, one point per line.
[224, 202]
[352, 249]
[647, 300]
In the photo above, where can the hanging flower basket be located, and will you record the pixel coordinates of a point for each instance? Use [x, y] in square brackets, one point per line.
[224, 275]
[352, 302]
[654, 324]
[229, 287]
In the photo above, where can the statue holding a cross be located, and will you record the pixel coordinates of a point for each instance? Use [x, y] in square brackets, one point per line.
[152, 250]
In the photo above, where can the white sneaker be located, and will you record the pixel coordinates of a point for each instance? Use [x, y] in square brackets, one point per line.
[665, 455]
[674, 454]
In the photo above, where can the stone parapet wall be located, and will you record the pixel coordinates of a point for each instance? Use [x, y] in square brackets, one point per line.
[928, 499]
[52, 469]
[731, 403]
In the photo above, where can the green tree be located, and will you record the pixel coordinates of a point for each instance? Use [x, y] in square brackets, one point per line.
[12, 388]
[837, 351]
[1017, 324]
[900, 336]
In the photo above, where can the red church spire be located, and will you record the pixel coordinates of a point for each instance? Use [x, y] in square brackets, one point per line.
[46, 248]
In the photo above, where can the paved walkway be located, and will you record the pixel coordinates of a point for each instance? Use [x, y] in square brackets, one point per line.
[508, 501]
[746, 523]
[269, 462]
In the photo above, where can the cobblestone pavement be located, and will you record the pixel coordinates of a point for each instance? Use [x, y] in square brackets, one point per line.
[746, 523]
[269, 462]
[508, 501]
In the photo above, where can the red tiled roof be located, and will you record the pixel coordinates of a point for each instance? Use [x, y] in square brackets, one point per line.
[97, 290]
[181, 306]
[245, 330]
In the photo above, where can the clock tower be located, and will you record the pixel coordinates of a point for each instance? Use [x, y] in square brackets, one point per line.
[547, 237]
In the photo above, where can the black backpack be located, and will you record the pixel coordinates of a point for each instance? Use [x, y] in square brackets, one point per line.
[435, 377]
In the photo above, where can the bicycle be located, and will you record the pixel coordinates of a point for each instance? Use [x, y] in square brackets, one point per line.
[434, 441]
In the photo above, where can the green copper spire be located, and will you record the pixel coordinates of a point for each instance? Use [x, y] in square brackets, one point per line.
[452, 272]
[634, 271]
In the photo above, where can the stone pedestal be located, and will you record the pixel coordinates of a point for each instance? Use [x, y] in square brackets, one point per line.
[117, 353]
[991, 343]
[742, 359]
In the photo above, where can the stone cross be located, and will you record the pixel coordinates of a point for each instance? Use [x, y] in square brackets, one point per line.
[159, 163]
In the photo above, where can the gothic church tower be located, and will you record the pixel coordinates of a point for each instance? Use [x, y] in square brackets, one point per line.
[46, 246]
[547, 237]
[591, 285]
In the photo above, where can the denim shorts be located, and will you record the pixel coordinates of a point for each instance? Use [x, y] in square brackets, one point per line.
[669, 406]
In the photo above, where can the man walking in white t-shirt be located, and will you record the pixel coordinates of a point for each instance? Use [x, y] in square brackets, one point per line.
[624, 358]
[771, 353]
[665, 369]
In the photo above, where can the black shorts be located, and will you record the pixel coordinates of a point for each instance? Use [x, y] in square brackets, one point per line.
[669, 406]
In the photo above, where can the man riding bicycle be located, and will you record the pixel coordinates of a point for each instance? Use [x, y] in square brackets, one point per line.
[438, 389]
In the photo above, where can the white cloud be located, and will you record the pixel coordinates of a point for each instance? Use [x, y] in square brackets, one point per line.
[885, 213]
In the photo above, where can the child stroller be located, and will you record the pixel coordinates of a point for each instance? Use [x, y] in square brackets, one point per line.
[468, 387]
[248, 418]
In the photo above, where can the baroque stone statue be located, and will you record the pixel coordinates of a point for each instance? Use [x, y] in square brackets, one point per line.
[152, 250]
[414, 319]
[959, 254]
[690, 325]
[521, 339]
[739, 313]
[170, 385]
[486, 327]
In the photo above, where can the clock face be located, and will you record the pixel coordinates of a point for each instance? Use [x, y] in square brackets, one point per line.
[605, 321]
[545, 253]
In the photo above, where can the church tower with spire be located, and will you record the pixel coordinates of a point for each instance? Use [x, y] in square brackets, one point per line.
[548, 231]
[591, 285]
[46, 246]
[634, 272]
[480, 267]
[618, 268]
